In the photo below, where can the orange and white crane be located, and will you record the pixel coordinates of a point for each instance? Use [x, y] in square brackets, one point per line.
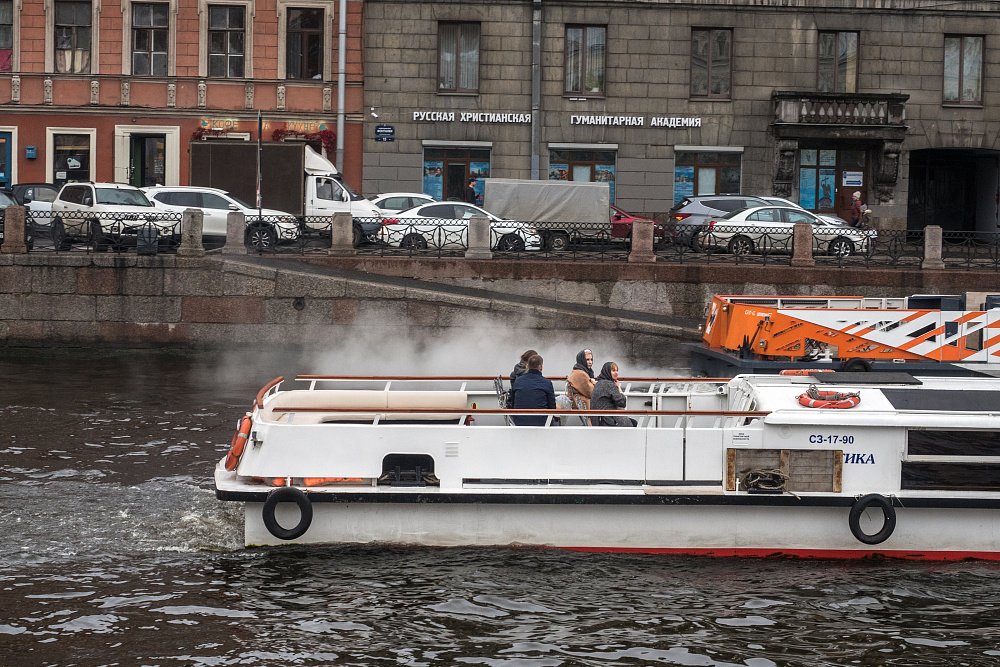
[798, 328]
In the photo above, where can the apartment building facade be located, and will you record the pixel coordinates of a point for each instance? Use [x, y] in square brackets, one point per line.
[810, 100]
[114, 90]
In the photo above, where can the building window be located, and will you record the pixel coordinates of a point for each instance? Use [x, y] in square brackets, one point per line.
[149, 39]
[226, 40]
[73, 25]
[458, 57]
[583, 165]
[585, 59]
[837, 66]
[447, 171]
[71, 158]
[304, 44]
[706, 173]
[6, 35]
[711, 63]
[963, 69]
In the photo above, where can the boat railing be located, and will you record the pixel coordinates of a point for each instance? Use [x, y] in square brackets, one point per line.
[461, 415]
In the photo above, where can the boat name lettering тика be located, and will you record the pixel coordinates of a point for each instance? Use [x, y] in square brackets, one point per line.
[862, 459]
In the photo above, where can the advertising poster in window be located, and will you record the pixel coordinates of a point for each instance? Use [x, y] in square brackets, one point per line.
[479, 171]
[807, 189]
[433, 180]
[559, 172]
[683, 183]
[827, 182]
[605, 173]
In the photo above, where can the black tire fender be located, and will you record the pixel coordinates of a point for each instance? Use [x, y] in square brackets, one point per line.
[859, 507]
[282, 495]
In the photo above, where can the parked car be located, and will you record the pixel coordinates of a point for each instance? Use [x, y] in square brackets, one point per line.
[216, 204]
[770, 228]
[621, 225]
[691, 212]
[38, 198]
[7, 199]
[778, 201]
[401, 201]
[103, 214]
[428, 226]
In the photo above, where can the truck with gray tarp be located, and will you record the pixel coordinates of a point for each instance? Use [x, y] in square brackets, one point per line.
[563, 212]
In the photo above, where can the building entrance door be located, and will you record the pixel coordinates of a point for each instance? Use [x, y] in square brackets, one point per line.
[147, 159]
[6, 140]
[828, 177]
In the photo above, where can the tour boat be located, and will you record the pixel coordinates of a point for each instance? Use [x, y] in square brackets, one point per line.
[824, 464]
[923, 334]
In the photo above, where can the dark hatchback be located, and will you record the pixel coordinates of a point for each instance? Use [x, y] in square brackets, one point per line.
[7, 199]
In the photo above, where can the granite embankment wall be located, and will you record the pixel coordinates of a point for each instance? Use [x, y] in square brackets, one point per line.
[93, 300]
[89, 299]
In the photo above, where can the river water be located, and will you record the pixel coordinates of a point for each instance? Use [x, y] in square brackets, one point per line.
[114, 551]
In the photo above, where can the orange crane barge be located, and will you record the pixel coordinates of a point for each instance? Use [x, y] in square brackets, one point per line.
[930, 334]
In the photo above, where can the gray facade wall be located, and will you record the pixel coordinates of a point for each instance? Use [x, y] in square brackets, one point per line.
[648, 72]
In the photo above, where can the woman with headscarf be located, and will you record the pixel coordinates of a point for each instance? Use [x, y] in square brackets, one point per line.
[580, 383]
[607, 396]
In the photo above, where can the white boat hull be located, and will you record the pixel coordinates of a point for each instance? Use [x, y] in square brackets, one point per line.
[940, 534]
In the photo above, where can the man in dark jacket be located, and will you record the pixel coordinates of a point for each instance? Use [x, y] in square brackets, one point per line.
[471, 197]
[532, 391]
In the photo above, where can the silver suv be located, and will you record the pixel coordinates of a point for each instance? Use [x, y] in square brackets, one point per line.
[691, 212]
[102, 214]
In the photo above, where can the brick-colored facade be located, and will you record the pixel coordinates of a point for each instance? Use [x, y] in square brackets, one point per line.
[918, 157]
[113, 108]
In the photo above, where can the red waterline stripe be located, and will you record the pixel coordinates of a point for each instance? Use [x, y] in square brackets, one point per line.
[854, 554]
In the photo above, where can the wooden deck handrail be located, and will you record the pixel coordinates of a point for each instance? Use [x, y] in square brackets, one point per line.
[499, 411]
[267, 388]
[490, 378]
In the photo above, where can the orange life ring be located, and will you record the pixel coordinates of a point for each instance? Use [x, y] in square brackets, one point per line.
[239, 443]
[804, 371]
[830, 399]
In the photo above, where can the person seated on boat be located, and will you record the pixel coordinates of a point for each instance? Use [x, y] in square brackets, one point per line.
[580, 383]
[607, 395]
[532, 391]
[521, 367]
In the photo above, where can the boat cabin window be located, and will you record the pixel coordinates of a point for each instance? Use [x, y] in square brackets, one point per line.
[953, 443]
[955, 470]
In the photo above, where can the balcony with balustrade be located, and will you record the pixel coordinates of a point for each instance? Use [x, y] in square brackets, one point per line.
[857, 116]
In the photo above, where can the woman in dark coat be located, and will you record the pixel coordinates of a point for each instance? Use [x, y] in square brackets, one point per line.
[521, 367]
[607, 396]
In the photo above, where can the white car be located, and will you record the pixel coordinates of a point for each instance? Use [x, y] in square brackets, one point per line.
[400, 201]
[103, 214]
[778, 201]
[770, 229]
[445, 225]
[216, 204]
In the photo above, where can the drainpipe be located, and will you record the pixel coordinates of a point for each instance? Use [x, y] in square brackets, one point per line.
[341, 82]
[536, 87]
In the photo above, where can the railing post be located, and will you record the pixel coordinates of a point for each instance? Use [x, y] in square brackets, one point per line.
[642, 242]
[13, 231]
[192, 226]
[802, 245]
[479, 238]
[236, 229]
[342, 235]
[933, 246]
